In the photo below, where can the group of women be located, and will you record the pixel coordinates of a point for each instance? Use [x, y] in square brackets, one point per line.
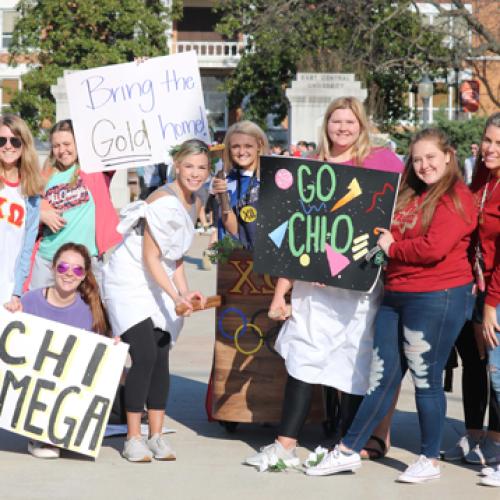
[359, 344]
[141, 283]
[362, 344]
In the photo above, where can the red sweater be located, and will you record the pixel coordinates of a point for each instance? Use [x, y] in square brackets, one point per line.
[489, 236]
[437, 259]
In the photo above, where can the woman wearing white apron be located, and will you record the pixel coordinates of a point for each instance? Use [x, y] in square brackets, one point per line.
[143, 282]
[328, 339]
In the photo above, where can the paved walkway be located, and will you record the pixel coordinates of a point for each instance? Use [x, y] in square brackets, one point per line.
[209, 460]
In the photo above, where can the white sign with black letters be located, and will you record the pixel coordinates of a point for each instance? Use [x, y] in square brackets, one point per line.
[57, 383]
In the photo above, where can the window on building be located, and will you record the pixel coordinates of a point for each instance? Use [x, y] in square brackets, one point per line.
[198, 19]
[9, 18]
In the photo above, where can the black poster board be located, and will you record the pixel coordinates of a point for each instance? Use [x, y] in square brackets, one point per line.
[316, 220]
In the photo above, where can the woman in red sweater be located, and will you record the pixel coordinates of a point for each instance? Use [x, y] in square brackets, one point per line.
[428, 292]
[486, 187]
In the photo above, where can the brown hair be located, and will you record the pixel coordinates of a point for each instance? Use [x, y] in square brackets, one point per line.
[362, 146]
[62, 126]
[88, 288]
[481, 173]
[412, 187]
[29, 170]
[245, 127]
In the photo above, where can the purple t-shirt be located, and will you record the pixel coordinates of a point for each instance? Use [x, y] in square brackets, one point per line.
[381, 159]
[77, 314]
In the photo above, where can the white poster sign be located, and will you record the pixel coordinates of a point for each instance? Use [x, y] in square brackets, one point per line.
[129, 115]
[57, 383]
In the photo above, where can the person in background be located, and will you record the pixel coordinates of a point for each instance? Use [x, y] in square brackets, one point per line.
[276, 149]
[427, 299]
[469, 164]
[328, 338]
[20, 187]
[150, 178]
[72, 300]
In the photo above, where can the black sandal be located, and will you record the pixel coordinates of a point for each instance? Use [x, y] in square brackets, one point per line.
[376, 453]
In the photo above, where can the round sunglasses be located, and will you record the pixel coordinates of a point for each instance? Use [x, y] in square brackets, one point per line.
[64, 267]
[15, 142]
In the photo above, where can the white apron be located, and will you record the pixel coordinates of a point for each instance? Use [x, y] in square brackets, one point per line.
[130, 294]
[328, 339]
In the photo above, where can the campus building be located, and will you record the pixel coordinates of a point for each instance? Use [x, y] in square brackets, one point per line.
[218, 57]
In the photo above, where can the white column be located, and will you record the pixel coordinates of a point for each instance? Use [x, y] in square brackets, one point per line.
[450, 102]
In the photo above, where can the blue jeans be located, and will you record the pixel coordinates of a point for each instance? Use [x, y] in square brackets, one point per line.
[414, 331]
[494, 363]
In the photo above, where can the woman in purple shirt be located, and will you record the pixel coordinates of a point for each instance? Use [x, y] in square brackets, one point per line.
[73, 300]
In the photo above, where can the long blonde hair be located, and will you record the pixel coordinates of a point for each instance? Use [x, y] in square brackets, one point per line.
[362, 146]
[412, 187]
[29, 170]
[248, 128]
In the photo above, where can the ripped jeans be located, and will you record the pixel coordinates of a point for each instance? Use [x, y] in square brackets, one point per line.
[413, 331]
[494, 364]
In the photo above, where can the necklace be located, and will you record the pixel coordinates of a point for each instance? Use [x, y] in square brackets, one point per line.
[485, 197]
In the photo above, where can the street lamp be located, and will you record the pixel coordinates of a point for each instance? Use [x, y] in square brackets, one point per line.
[425, 89]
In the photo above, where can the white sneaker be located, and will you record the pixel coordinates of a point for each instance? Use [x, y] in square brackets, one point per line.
[492, 479]
[274, 457]
[420, 471]
[160, 448]
[335, 461]
[42, 450]
[486, 471]
[462, 448]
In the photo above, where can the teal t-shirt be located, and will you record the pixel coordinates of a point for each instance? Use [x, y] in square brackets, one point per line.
[78, 209]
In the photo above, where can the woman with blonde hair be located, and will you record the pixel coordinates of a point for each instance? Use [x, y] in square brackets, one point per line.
[245, 141]
[143, 283]
[20, 187]
[328, 338]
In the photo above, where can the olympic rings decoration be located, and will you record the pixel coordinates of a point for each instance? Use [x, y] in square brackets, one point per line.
[238, 312]
[259, 345]
[251, 325]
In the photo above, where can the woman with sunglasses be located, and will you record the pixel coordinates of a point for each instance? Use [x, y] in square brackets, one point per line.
[73, 300]
[76, 207]
[20, 187]
[143, 282]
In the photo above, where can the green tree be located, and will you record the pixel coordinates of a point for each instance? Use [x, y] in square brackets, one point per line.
[462, 133]
[80, 34]
[383, 43]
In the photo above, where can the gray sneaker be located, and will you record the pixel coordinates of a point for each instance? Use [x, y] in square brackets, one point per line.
[463, 446]
[160, 448]
[274, 456]
[135, 449]
[487, 452]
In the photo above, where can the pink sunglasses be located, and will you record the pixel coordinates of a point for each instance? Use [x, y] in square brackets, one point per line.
[64, 267]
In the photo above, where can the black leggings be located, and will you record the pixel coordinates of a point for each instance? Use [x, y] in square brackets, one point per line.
[475, 384]
[297, 402]
[148, 379]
